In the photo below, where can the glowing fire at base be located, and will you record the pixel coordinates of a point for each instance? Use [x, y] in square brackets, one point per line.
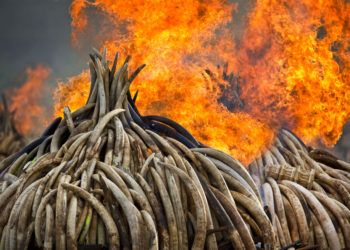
[293, 57]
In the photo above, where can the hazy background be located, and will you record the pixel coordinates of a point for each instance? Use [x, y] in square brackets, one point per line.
[36, 32]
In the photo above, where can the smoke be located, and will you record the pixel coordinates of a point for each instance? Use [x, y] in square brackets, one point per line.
[39, 32]
[36, 32]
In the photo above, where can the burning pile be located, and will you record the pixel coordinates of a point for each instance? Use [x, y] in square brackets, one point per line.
[105, 175]
[293, 58]
[306, 193]
[10, 139]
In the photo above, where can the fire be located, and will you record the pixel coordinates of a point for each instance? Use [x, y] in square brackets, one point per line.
[293, 57]
[178, 40]
[73, 93]
[26, 101]
[297, 65]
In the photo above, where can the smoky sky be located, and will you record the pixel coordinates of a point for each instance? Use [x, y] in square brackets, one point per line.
[36, 32]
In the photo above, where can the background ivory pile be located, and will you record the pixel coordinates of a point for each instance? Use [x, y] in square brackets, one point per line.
[107, 176]
[10, 139]
[305, 193]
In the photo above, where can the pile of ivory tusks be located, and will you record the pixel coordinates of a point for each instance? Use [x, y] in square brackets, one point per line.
[306, 194]
[10, 139]
[105, 176]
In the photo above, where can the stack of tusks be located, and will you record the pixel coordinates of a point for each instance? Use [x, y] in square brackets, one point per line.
[107, 176]
[10, 139]
[306, 193]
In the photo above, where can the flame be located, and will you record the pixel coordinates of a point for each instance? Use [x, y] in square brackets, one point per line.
[78, 23]
[72, 93]
[177, 40]
[293, 57]
[297, 64]
[26, 101]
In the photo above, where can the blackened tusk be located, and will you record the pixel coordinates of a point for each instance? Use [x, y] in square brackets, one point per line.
[115, 62]
[216, 206]
[136, 72]
[135, 97]
[92, 57]
[137, 119]
[170, 132]
[131, 101]
[296, 245]
[175, 126]
[27, 149]
[127, 59]
[52, 127]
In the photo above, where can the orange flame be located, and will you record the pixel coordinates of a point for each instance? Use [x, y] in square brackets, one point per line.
[26, 101]
[293, 57]
[76, 10]
[73, 93]
[177, 40]
[296, 60]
